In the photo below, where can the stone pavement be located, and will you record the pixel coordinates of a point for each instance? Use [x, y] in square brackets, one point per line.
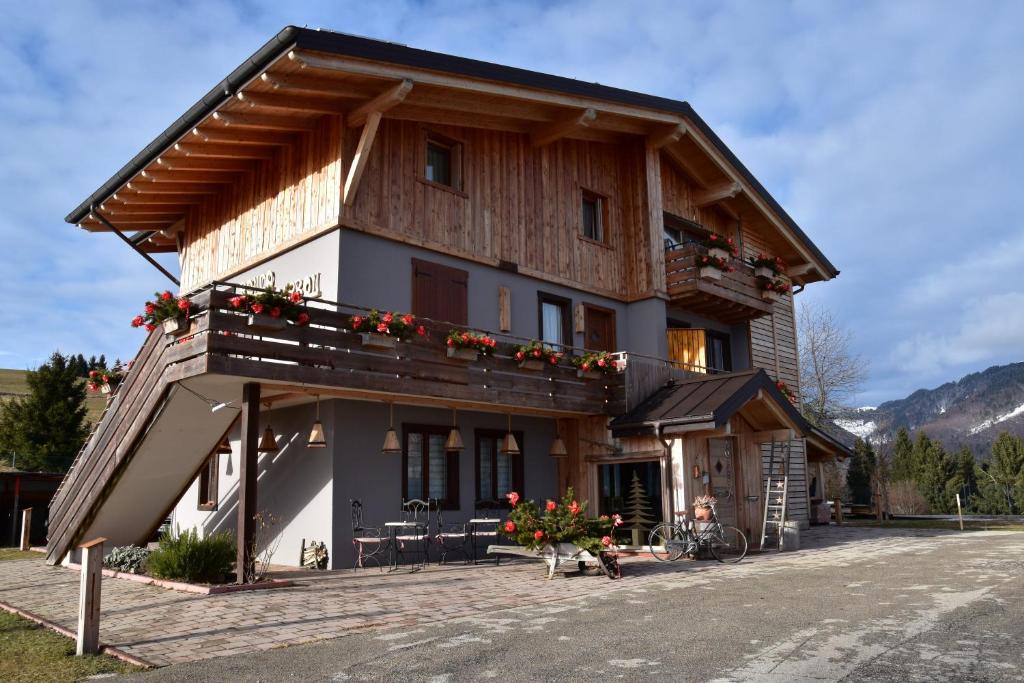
[165, 627]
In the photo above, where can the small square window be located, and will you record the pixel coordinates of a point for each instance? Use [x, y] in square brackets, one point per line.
[443, 163]
[592, 216]
[208, 485]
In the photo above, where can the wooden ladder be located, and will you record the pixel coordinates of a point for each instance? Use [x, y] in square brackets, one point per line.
[776, 494]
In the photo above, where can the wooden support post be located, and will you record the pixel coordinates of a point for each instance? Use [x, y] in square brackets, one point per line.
[89, 598]
[878, 508]
[959, 512]
[838, 509]
[26, 528]
[247, 470]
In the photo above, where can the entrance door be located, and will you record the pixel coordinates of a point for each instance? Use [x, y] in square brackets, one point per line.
[633, 490]
[599, 324]
[723, 478]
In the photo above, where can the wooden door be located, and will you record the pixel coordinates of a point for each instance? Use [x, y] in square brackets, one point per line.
[439, 292]
[687, 347]
[722, 468]
[599, 328]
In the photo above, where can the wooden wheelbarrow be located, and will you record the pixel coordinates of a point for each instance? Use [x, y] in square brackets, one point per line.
[559, 554]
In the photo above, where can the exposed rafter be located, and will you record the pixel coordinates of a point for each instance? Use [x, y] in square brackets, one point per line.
[277, 100]
[684, 164]
[362, 155]
[143, 187]
[379, 104]
[203, 164]
[189, 176]
[319, 84]
[232, 120]
[228, 151]
[666, 136]
[716, 194]
[549, 132]
[243, 137]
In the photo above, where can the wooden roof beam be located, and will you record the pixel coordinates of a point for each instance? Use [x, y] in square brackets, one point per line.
[161, 176]
[235, 120]
[316, 105]
[140, 200]
[361, 157]
[203, 164]
[225, 151]
[716, 194]
[556, 130]
[379, 104]
[173, 188]
[242, 137]
[147, 209]
[684, 164]
[319, 84]
[666, 136]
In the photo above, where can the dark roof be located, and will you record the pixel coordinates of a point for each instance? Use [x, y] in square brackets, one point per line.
[713, 399]
[292, 37]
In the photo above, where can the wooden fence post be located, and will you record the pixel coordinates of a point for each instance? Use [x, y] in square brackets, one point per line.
[89, 597]
[26, 529]
[838, 505]
[959, 512]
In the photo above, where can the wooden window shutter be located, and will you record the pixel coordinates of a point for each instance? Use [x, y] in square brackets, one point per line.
[440, 292]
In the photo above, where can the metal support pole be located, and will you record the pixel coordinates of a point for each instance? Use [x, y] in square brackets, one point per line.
[89, 598]
[247, 470]
[26, 529]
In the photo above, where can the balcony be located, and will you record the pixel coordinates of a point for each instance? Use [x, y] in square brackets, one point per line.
[735, 298]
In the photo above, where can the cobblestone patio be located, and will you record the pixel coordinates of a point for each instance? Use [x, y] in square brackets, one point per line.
[165, 627]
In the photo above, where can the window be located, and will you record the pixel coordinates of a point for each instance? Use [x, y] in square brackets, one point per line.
[497, 474]
[719, 356]
[592, 212]
[554, 319]
[208, 480]
[439, 292]
[443, 163]
[428, 470]
[679, 231]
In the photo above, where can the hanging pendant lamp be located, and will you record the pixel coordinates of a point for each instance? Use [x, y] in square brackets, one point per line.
[316, 434]
[454, 442]
[509, 444]
[268, 444]
[558, 449]
[391, 442]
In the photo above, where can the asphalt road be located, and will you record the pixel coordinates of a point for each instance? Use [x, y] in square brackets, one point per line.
[945, 611]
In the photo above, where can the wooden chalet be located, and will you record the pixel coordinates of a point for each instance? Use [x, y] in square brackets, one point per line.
[476, 196]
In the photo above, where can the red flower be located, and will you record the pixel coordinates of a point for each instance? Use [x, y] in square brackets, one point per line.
[257, 308]
[538, 534]
[303, 318]
[606, 540]
[551, 506]
[137, 321]
[510, 527]
[387, 317]
[713, 237]
[520, 355]
[166, 296]
[150, 328]
[295, 297]
[574, 508]
[357, 321]
[92, 387]
[585, 367]
[554, 359]
[464, 337]
[616, 520]
[601, 362]
[92, 373]
[513, 498]
[536, 353]
[382, 328]
[451, 342]
[421, 331]
[236, 301]
[275, 312]
[407, 319]
[183, 304]
[603, 518]
[105, 379]
[150, 308]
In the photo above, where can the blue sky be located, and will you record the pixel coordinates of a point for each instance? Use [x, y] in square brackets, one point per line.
[890, 131]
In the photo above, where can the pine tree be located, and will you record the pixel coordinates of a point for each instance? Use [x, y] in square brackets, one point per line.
[860, 472]
[934, 469]
[638, 517]
[47, 427]
[903, 457]
[963, 481]
[103, 361]
[1001, 479]
[93, 364]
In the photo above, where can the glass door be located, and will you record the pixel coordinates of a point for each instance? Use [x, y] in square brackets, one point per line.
[633, 490]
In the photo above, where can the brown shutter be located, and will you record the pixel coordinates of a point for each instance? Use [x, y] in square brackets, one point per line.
[440, 292]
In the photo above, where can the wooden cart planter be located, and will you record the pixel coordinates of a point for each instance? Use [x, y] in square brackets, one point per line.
[556, 555]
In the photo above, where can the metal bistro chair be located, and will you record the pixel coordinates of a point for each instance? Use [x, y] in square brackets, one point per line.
[369, 542]
[488, 533]
[416, 511]
[452, 537]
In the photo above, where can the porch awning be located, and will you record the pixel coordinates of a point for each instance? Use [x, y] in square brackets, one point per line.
[708, 403]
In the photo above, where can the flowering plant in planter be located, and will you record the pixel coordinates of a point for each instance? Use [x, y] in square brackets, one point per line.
[401, 326]
[101, 379]
[471, 341]
[725, 245]
[537, 352]
[286, 304]
[786, 391]
[163, 308]
[702, 506]
[712, 267]
[767, 266]
[773, 289]
[595, 361]
[559, 522]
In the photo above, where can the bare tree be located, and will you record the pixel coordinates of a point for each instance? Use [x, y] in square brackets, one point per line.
[829, 372]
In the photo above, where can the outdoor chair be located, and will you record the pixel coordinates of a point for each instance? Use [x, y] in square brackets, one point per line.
[487, 534]
[451, 537]
[416, 511]
[369, 542]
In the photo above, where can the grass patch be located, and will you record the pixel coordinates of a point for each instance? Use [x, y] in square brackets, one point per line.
[13, 382]
[15, 554]
[969, 524]
[30, 653]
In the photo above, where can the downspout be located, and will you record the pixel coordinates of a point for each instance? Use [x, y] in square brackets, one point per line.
[670, 483]
[133, 245]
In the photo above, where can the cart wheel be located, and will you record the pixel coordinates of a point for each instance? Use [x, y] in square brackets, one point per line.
[590, 568]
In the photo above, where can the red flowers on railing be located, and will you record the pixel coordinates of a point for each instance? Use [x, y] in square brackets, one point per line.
[461, 339]
[536, 351]
[786, 391]
[720, 243]
[389, 323]
[165, 306]
[275, 303]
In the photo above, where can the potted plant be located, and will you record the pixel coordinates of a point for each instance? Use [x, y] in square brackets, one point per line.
[535, 355]
[720, 247]
[702, 508]
[383, 331]
[103, 380]
[712, 267]
[272, 309]
[469, 346]
[767, 266]
[786, 391]
[167, 310]
[771, 290]
[594, 364]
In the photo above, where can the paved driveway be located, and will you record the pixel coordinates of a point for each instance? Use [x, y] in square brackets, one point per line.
[853, 598]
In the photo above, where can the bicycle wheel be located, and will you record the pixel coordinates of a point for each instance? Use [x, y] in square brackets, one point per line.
[728, 544]
[666, 542]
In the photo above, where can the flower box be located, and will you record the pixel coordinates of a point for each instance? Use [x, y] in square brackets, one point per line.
[533, 364]
[379, 342]
[463, 354]
[105, 388]
[174, 327]
[765, 272]
[710, 273]
[714, 252]
[262, 321]
[589, 374]
[769, 295]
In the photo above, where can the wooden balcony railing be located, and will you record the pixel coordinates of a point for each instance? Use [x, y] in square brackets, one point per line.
[734, 298]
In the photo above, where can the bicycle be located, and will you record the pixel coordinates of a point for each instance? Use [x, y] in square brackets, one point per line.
[669, 541]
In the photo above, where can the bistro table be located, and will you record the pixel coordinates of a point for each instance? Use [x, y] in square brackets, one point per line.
[394, 547]
[474, 525]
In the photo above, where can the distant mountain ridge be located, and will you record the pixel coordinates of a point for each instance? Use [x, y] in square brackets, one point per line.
[971, 411]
